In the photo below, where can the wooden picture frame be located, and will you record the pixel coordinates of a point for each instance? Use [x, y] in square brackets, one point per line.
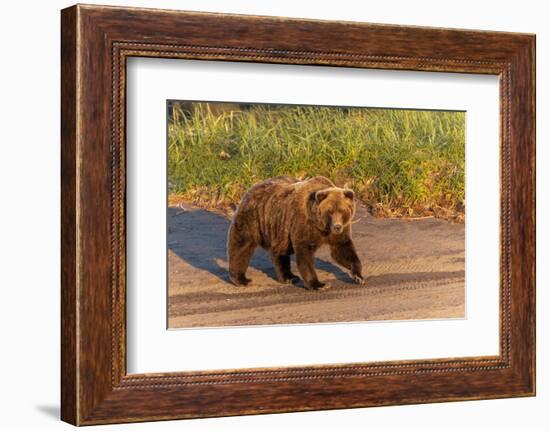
[95, 43]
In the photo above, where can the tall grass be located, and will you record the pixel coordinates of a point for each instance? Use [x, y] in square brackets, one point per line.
[399, 162]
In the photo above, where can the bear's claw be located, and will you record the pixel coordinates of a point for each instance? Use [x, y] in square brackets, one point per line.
[358, 279]
[240, 280]
[292, 279]
[317, 286]
[288, 279]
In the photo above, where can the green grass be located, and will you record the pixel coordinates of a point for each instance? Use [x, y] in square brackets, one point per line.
[399, 162]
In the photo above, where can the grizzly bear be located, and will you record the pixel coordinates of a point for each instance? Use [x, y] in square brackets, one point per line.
[285, 216]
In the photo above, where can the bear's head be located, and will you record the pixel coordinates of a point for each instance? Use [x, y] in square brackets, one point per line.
[334, 208]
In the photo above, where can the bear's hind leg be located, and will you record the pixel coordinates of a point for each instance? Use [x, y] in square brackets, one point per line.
[239, 253]
[238, 264]
[285, 261]
[282, 268]
[305, 259]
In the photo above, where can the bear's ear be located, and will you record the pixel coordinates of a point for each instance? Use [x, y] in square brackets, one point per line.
[349, 194]
[320, 196]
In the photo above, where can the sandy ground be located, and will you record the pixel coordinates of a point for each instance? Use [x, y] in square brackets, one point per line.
[414, 269]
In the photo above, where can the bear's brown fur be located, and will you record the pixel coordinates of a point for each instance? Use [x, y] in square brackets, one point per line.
[285, 216]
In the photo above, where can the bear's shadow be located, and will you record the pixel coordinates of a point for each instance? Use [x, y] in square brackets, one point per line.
[199, 238]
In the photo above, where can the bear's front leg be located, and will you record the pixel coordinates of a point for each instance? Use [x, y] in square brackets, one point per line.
[343, 252]
[305, 260]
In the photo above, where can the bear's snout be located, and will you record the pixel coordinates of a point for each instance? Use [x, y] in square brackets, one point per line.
[337, 228]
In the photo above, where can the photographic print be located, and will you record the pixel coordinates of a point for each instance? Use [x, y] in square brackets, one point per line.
[285, 214]
[297, 214]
